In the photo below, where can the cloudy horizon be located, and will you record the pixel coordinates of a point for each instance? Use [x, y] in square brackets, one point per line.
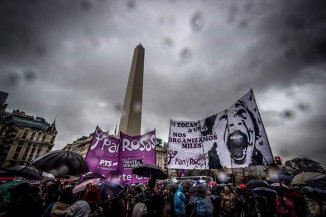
[72, 60]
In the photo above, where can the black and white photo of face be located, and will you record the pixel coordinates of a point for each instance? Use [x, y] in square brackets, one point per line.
[243, 130]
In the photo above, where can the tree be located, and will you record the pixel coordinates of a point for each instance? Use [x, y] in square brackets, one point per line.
[299, 165]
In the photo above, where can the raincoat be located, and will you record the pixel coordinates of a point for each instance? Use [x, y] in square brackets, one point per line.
[179, 201]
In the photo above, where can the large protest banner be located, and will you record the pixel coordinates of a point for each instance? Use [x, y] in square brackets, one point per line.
[102, 155]
[234, 138]
[135, 151]
[186, 149]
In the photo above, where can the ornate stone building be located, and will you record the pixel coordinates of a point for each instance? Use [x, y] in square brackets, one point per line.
[80, 145]
[161, 151]
[24, 137]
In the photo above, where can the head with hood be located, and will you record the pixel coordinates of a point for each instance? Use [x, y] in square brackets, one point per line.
[79, 209]
[180, 188]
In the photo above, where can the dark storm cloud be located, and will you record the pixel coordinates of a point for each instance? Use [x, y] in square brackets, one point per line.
[200, 57]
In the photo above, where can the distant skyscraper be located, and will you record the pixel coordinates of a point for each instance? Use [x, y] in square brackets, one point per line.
[130, 122]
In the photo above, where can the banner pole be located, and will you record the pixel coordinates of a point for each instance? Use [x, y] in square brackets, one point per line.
[228, 128]
[168, 148]
[201, 136]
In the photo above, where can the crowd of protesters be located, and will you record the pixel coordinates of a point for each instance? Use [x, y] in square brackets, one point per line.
[56, 199]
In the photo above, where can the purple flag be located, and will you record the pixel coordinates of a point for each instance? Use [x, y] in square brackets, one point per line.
[102, 155]
[135, 151]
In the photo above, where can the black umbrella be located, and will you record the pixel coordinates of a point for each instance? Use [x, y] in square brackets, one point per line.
[109, 190]
[188, 183]
[317, 182]
[90, 175]
[256, 183]
[198, 188]
[26, 172]
[261, 191]
[61, 162]
[152, 171]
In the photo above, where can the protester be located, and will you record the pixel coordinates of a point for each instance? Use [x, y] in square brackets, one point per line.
[179, 202]
[79, 209]
[24, 201]
[92, 197]
[61, 207]
[284, 206]
[201, 203]
[228, 202]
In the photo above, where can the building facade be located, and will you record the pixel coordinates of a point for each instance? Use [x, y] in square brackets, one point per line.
[80, 145]
[24, 138]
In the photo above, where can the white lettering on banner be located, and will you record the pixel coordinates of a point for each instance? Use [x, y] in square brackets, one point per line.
[126, 177]
[112, 147]
[99, 137]
[141, 145]
[106, 163]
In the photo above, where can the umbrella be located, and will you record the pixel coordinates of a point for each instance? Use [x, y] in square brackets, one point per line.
[301, 178]
[91, 175]
[187, 183]
[5, 190]
[279, 186]
[148, 170]
[308, 189]
[281, 177]
[261, 191]
[242, 186]
[62, 162]
[212, 184]
[26, 172]
[256, 183]
[47, 175]
[83, 185]
[200, 188]
[109, 190]
[317, 182]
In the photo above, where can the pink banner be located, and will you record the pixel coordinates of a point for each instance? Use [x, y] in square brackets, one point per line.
[135, 151]
[102, 155]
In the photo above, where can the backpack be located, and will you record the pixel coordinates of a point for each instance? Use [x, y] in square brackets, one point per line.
[201, 207]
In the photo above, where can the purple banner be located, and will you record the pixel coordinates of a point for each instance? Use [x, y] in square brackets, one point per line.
[102, 155]
[135, 151]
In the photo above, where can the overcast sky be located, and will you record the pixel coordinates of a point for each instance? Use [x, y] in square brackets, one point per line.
[72, 59]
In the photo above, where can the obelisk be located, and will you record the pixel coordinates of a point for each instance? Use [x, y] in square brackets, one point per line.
[130, 122]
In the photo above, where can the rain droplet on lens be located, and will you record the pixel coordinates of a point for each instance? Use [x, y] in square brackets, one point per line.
[248, 6]
[233, 9]
[243, 23]
[137, 107]
[13, 78]
[168, 42]
[197, 21]
[85, 5]
[288, 114]
[255, 65]
[40, 50]
[303, 106]
[185, 55]
[118, 107]
[131, 4]
[29, 75]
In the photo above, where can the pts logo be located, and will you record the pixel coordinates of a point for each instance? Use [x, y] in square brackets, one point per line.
[108, 163]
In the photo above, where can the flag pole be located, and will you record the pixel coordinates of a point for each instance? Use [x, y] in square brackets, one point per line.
[228, 128]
